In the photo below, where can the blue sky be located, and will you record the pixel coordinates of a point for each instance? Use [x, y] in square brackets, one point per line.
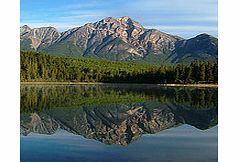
[185, 18]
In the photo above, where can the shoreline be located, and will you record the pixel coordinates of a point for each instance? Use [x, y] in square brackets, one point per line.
[100, 83]
[59, 83]
[189, 85]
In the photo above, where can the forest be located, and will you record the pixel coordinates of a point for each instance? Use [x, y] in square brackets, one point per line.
[39, 67]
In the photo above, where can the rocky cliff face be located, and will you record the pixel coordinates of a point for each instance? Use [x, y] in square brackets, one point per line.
[112, 38]
[39, 38]
[24, 29]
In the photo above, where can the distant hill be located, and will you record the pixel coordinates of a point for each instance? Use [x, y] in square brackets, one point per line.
[119, 39]
[202, 47]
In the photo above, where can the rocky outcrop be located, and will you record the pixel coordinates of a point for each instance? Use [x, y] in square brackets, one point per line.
[24, 30]
[39, 38]
[111, 38]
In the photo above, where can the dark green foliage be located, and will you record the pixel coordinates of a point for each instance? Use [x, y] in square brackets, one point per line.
[202, 47]
[41, 67]
[26, 45]
[38, 97]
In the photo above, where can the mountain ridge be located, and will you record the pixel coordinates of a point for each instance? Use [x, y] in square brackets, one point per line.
[118, 39]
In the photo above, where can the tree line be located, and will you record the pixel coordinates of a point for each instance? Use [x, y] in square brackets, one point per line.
[42, 67]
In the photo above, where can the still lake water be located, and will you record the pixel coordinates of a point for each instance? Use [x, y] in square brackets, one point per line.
[118, 122]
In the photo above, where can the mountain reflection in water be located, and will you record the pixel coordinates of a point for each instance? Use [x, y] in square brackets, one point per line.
[115, 114]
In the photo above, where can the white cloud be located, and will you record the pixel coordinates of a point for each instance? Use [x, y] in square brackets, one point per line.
[186, 31]
[168, 15]
[184, 28]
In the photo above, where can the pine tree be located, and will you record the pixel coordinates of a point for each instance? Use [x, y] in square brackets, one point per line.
[40, 67]
[209, 73]
[188, 74]
[202, 72]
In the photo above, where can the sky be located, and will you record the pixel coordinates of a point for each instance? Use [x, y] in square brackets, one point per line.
[185, 18]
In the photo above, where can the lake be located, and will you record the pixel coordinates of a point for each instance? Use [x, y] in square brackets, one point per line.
[118, 122]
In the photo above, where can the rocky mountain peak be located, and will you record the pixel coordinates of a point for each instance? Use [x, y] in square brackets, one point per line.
[204, 39]
[124, 18]
[130, 22]
[24, 29]
[203, 46]
[203, 35]
[118, 39]
[123, 23]
[43, 30]
[39, 37]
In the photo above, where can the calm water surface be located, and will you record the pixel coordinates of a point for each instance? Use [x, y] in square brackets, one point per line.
[139, 123]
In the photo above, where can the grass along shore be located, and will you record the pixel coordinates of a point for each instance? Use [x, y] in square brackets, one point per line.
[60, 83]
[91, 83]
[189, 85]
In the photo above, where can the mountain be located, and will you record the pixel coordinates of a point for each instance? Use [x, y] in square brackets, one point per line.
[38, 38]
[202, 47]
[118, 39]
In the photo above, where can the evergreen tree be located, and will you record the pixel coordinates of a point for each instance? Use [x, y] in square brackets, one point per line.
[202, 72]
[188, 74]
[41, 67]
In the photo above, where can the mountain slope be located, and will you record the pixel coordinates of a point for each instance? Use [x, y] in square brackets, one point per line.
[202, 47]
[117, 39]
[38, 38]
